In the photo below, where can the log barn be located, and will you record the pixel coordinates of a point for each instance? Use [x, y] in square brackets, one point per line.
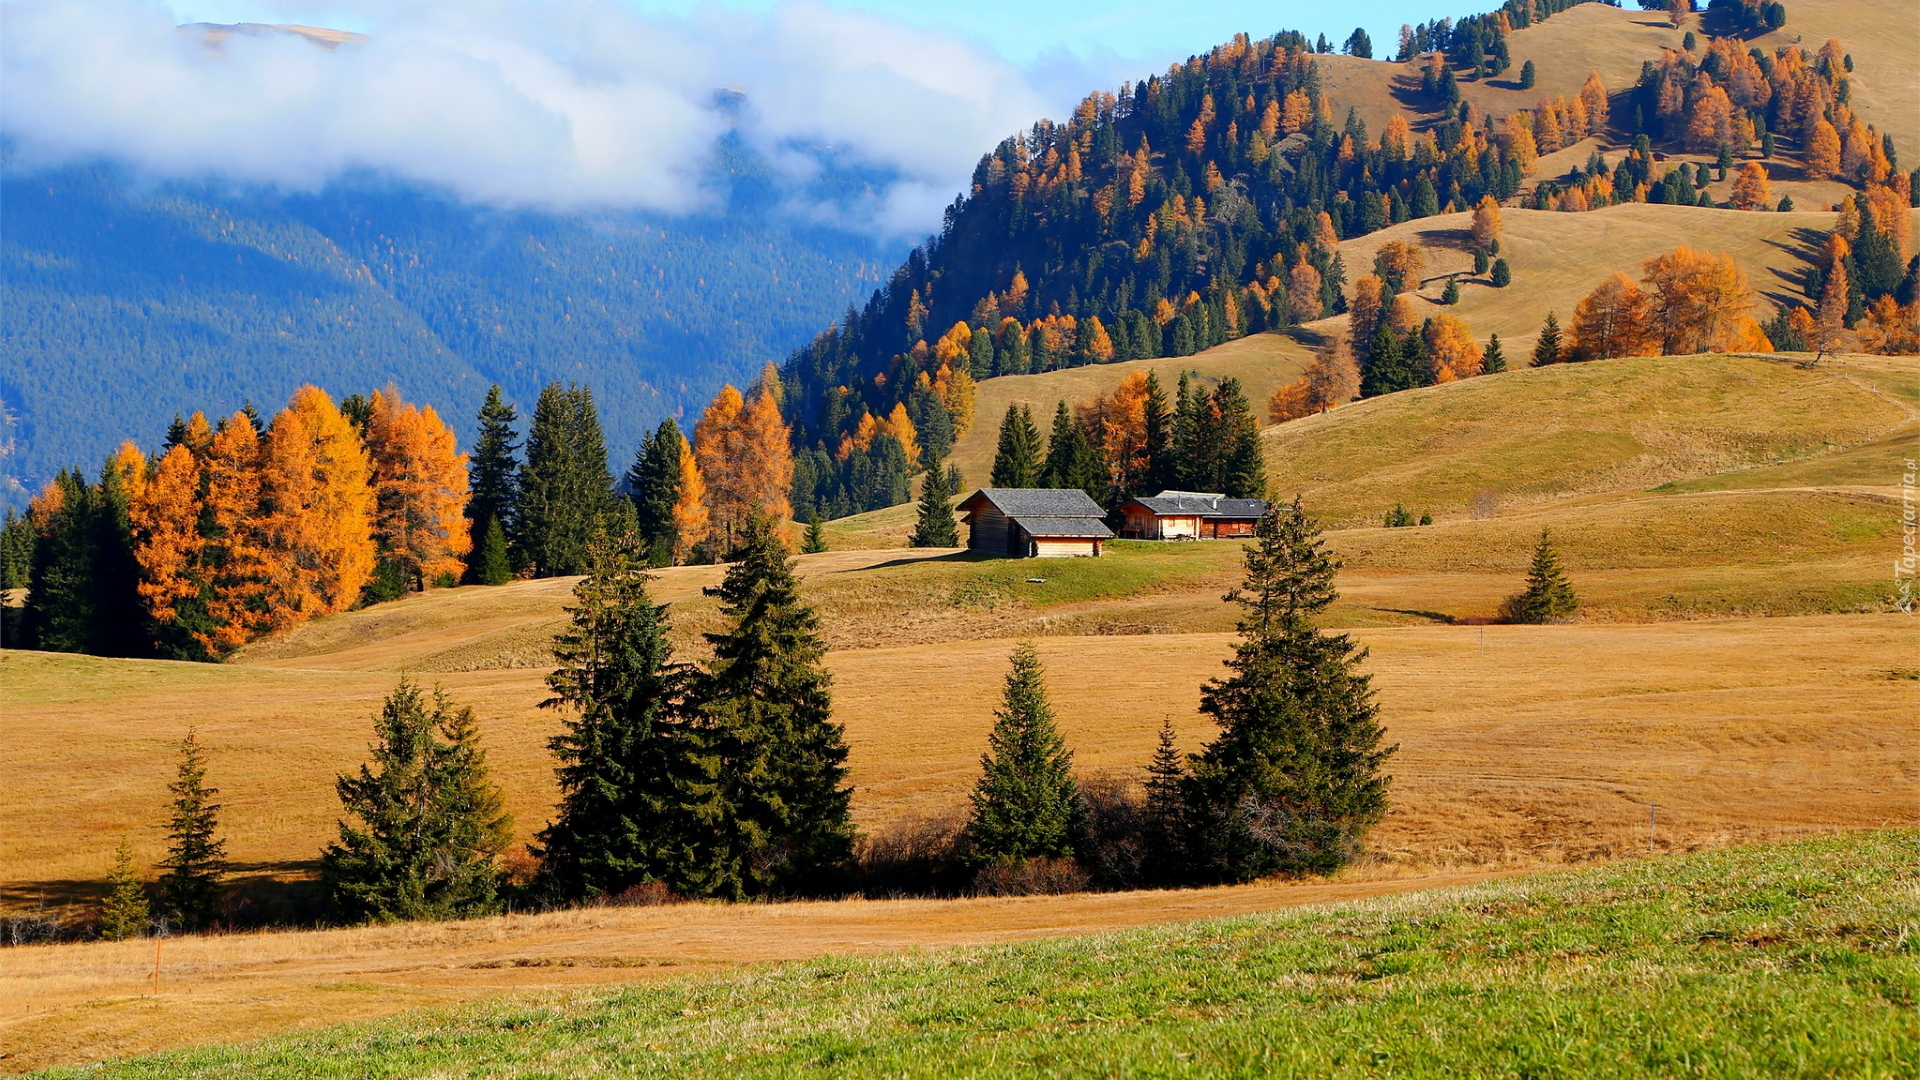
[1028, 523]
[1190, 515]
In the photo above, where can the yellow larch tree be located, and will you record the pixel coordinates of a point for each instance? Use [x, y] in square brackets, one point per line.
[1701, 301]
[1486, 223]
[1452, 354]
[690, 517]
[767, 443]
[1751, 188]
[717, 449]
[316, 486]
[232, 557]
[420, 489]
[165, 519]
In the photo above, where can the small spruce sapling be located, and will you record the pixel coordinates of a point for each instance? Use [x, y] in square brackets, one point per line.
[1495, 360]
[815, 541]
[124, 914]
[1502, 274]
[1549, 596]
[195, 851]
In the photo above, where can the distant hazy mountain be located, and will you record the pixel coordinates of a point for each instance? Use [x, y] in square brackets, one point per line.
[124, 301]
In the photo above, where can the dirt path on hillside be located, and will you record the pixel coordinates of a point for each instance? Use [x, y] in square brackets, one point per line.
[77, 1003]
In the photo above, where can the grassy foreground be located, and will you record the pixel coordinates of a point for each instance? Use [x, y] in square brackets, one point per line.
[1778, 961]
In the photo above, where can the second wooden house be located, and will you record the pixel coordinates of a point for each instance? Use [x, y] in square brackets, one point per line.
[1190, 515]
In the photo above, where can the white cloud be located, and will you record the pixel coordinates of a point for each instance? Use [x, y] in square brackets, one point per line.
[514, 102]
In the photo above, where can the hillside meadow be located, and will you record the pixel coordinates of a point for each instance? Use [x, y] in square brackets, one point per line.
[1778, 961]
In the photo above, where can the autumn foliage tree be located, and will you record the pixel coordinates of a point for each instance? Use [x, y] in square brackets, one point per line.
[420, 490]
[1751, 189]
[1700, 301]
[317, 507]
[1613, 320]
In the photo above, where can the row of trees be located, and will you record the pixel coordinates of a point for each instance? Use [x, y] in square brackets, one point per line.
[727, 779]
[1134, 440]
[716, 779]
[242, 528]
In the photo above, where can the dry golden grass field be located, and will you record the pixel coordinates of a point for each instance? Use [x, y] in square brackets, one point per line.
[1527, 747]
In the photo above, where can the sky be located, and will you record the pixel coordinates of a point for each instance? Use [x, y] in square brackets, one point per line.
[594, 103]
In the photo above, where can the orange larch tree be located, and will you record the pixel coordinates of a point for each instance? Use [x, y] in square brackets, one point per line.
[1303, 291]
[690, 508]
[1486, 223]
[1751, 189]
[420, 490]
[165, 519]
[1700, 300]
[1452, 354]
[1822, 158]
[1614, 320]
[316, 489]
[767, 442]
[1365, 312]
[718, 451]
[232, 555]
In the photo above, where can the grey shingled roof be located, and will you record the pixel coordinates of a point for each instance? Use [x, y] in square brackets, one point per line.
[1056, 528]
[1206, 504]
[1041, 502]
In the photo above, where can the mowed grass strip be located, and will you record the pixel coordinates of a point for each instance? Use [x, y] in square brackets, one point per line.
[1782, 961]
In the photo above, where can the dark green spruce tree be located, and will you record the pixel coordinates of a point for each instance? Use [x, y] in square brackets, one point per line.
[190, 886]
[1016, 463]
[491, 478]
[1162, 468]
[1072, 459]
[1546, 347]
[428, 825]
[492, 563]
[815, 540]
[1549, 596]
[1293, 781]
[1244, 470]
[654, 485]
[1163, 820]
[1026, 804]
[565, 490]
[627, 751]
[1495, 360]
[935, 527]
[1386, 368]
[773, 801]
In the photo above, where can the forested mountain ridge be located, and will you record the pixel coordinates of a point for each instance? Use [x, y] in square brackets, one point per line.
[1211, 201]
[133, 300]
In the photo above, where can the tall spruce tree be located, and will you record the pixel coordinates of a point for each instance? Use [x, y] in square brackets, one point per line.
[1026, 804]
[1549, 596]
[1495, 360]
[1016, 463]
[654, 486]
[1162, 468]
[773, 797]
[1072, 459]
[627, 750]
[1293, 781]
[190, 887]
[1243, 473]
[935, 527]
[1386, 369]
[1195, 457]
[491, 477]
[565, 490]
[125, 913]
[1546, 348]
[429, 824]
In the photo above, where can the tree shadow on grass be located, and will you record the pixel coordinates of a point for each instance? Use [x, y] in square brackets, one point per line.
[253, 895]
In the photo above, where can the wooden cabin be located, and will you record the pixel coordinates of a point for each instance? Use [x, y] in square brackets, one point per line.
[1030, 523]
[1190, 515]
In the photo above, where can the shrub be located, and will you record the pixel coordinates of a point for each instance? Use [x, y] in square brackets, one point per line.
[1031, 877]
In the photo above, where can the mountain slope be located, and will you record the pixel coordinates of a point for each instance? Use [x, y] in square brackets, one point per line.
[135, 301]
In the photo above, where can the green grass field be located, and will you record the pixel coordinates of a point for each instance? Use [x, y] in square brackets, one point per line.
[1795, 960]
